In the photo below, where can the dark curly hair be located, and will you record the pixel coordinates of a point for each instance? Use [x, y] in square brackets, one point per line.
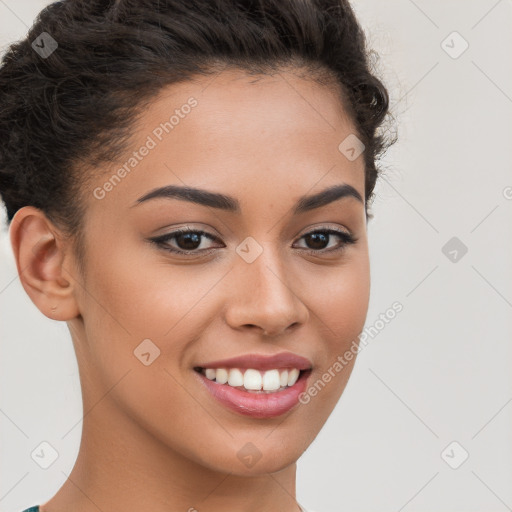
[65, 113]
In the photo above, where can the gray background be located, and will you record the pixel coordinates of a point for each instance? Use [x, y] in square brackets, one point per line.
[437, 373]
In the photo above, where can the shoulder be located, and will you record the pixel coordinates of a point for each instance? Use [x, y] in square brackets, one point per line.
[35, 508]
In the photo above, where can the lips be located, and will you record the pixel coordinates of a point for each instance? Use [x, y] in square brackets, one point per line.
[258, 404]
[261, 362]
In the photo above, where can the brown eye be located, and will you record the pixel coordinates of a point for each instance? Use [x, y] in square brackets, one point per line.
[187, 241]
[317, 241]
[191, 241]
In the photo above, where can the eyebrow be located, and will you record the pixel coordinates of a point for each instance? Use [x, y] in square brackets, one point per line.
[230, 204]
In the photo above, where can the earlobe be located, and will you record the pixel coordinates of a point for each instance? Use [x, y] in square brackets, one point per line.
[40, 255]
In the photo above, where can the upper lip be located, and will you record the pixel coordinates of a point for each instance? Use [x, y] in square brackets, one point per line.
[262, 362]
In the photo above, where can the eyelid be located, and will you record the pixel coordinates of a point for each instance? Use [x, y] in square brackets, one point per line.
[323, 227]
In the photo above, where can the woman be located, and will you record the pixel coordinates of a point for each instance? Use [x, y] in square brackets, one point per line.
[187, 186]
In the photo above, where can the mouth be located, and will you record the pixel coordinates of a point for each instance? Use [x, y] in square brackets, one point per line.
[255, 392]
[252, 380]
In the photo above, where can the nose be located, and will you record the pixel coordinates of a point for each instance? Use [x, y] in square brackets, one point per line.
[265, 297]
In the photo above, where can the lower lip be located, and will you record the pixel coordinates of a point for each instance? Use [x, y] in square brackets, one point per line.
[257, 405]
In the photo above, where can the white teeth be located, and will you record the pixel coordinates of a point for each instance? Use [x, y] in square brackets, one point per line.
[235, 377]
[221, 375]
[271, 380]
[293, 375]
[254, 380]
[210, 373]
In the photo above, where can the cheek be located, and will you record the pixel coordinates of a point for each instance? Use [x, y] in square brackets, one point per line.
[340, 298]
[133, 299]
[340, 303]
[134, 296]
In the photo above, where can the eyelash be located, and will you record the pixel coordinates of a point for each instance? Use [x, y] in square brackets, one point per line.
[347, 239]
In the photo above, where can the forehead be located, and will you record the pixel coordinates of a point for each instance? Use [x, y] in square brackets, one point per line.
[232, 132]
[233, 103]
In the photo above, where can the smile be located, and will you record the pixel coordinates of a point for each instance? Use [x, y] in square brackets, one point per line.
[243, 390]
[269, 381]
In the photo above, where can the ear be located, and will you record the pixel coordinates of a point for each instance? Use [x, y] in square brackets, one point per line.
[43, 259]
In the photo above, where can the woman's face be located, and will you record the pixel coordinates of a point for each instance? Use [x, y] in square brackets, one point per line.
[263, 279]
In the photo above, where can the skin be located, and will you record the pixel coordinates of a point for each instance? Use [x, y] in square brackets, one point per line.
[152, 437]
